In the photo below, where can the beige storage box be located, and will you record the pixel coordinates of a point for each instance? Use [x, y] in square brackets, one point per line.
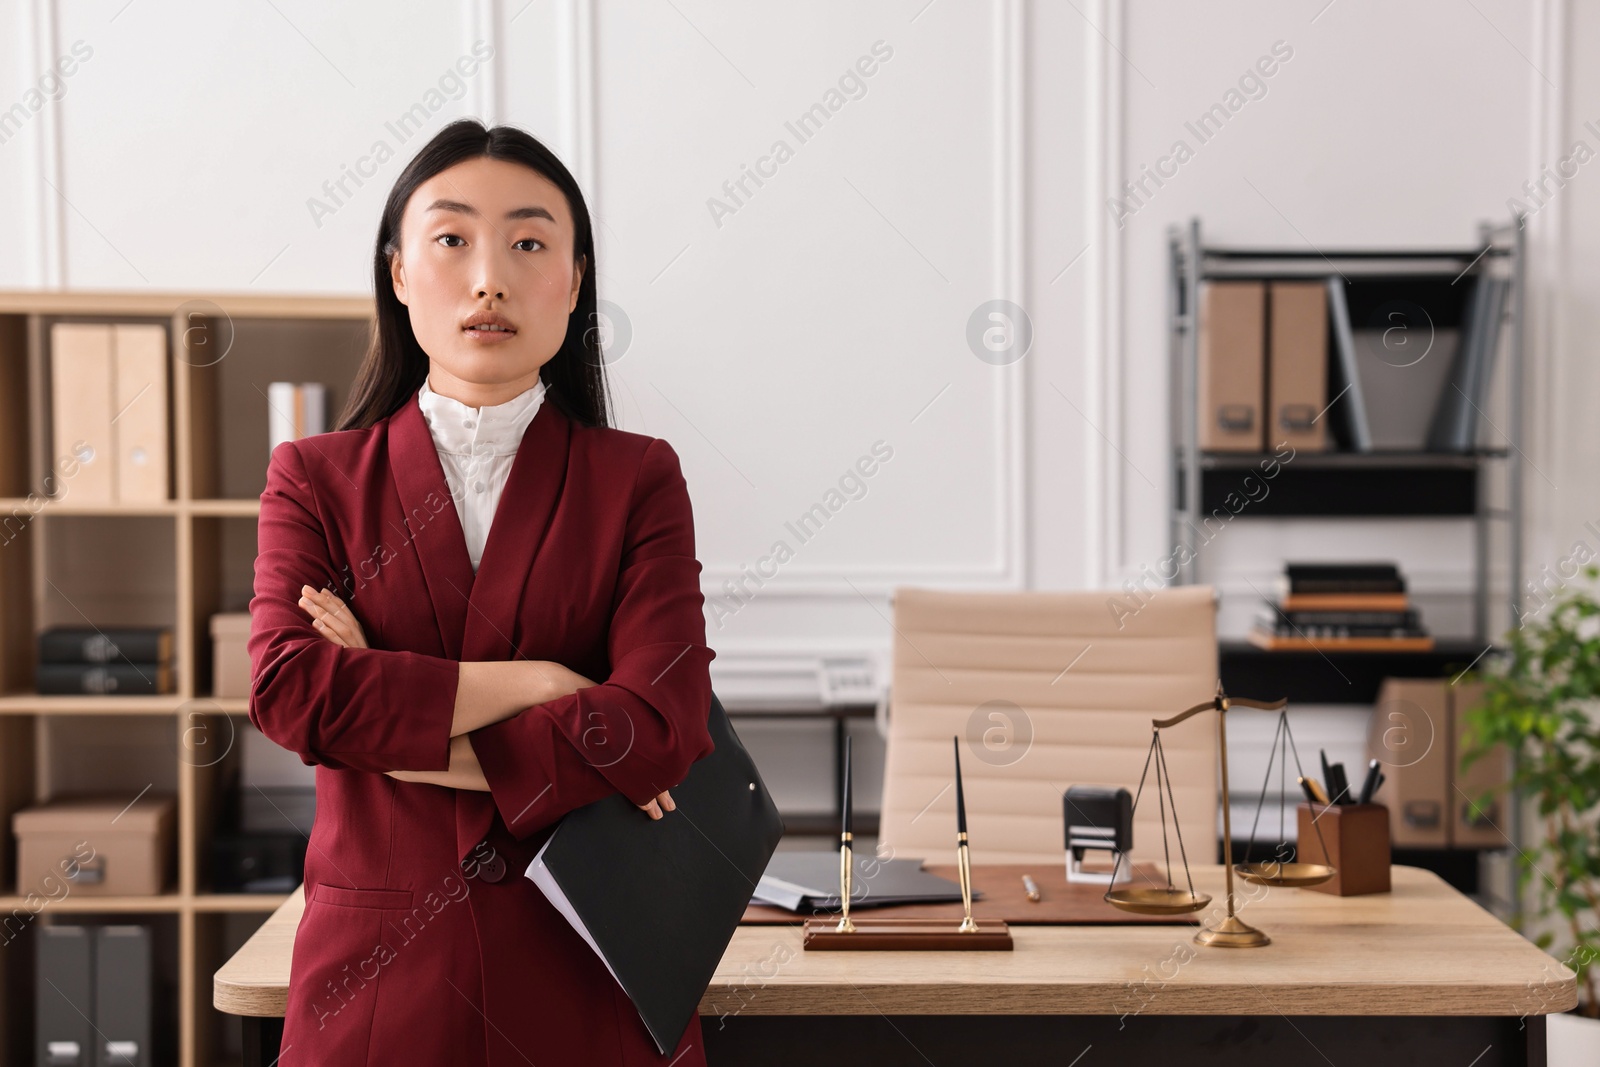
[1409, 734]
[230, 661]
[95, 846]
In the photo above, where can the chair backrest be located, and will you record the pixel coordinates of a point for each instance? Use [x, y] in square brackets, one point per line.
[1046, 690]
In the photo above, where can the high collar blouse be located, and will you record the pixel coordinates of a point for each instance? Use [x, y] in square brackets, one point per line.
[476, 448]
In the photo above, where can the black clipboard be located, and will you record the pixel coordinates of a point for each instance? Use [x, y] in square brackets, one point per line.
[659, 900]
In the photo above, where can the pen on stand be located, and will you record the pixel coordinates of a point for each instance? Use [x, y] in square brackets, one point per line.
[845, 830]
[1031, 887]
[845, 860]
[961, 800]
[963, 860]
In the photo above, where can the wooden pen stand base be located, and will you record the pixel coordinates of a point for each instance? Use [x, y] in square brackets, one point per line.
[906, 934]
[1357, 839]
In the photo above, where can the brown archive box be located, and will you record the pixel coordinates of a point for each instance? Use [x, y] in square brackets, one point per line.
[1232, 368]
[230, 659]
[97, 846]
[1297, 368]
[1357, 840]
[1410, 737]
[1471, 825]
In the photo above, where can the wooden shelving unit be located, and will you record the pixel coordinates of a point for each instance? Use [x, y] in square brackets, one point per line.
[172, 563]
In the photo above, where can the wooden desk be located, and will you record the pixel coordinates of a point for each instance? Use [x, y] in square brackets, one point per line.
[1417, 976]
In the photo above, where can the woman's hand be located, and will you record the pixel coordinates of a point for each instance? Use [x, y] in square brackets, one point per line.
[664, 800]
[332, 618]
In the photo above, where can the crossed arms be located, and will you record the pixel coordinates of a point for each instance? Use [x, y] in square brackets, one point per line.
[543, 739]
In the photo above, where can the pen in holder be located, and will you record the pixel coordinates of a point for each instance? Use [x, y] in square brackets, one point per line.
[963, 860]
[1357, 840]
[845, 860]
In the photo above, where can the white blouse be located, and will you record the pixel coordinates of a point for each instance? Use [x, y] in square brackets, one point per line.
[476, 448]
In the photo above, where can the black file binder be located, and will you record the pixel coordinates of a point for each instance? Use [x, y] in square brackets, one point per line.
[659, 900]
[63, 1026]
[122, 1008]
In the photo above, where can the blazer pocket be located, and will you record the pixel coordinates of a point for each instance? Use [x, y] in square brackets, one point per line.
[362, 898]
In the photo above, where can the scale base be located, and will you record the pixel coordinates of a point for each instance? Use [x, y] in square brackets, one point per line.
[1232, 932]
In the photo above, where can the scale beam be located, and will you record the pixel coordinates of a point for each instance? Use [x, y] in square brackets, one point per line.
[1230, 931]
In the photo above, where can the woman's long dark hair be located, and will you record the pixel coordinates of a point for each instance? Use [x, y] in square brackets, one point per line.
[395, 365]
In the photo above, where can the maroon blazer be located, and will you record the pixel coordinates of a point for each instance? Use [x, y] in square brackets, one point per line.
[422, 941]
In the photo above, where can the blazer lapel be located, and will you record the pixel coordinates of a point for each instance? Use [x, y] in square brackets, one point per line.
[521, 519]
[478, 614]
[434, 531]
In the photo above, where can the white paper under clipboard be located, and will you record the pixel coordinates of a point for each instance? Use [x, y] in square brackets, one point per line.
[540, 875]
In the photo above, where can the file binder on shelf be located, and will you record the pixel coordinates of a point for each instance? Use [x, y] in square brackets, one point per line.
[110, 411]
[1297, 365]
[1232, 371]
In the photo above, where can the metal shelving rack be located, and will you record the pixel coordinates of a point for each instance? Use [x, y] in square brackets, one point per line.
[1457, 476]
[1418, 483]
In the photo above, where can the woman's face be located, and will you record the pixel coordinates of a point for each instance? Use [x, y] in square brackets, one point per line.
[487, 236]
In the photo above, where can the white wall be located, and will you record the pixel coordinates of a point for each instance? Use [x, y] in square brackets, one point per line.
[775, 345]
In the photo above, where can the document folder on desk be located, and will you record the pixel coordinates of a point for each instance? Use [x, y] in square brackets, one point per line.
[659, 900]
[809, 881]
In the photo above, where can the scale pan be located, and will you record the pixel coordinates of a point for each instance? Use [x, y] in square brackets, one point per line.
[1156, 900]
[1271, 872]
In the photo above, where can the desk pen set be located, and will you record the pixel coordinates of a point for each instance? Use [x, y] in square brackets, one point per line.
[906, 933]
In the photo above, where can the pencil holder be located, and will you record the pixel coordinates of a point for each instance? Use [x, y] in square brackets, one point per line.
[1357, 839]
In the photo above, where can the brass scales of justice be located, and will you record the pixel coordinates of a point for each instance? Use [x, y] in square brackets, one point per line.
[1230, 931]
[906, 933]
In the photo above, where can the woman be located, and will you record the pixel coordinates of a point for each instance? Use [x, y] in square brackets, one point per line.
[435, 665]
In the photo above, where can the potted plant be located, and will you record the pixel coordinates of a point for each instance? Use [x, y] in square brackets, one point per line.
[1540, 702]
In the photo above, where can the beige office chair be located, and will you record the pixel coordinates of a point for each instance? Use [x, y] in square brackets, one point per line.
[1073, 694]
